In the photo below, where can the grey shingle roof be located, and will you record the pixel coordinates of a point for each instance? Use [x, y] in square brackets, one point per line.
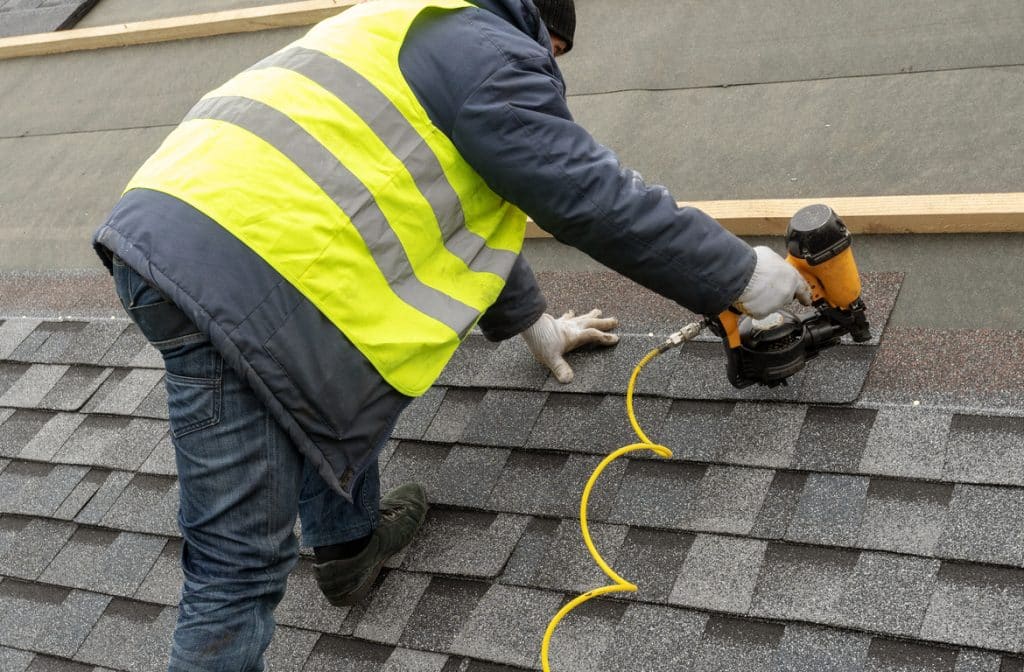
[833, 525]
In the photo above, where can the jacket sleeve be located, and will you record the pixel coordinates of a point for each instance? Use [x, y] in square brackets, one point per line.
[520, 304]
[575, 189]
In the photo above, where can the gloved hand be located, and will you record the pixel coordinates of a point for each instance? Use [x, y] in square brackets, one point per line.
[773, 285]
[549, 339]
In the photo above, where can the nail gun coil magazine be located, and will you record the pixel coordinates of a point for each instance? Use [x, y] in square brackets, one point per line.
[771, 350]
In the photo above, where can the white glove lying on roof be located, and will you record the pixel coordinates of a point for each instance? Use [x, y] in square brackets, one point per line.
[773, 285]
[549, 339]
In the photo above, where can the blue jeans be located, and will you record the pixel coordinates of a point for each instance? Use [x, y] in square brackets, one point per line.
[242, 482]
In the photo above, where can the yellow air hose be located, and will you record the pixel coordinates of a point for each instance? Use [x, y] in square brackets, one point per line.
[619, 584]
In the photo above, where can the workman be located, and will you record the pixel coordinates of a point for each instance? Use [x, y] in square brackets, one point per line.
[309, 247]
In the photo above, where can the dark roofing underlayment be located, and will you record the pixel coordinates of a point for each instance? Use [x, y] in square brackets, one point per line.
[884, 533]
[24, 17]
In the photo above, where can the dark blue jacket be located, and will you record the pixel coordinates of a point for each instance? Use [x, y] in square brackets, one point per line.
[486, 77]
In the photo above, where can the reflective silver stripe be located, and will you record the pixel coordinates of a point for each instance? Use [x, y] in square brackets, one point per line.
[348, 193]
[405, 142]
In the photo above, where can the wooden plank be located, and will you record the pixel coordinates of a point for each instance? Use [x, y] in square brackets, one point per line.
[941, 213]
[289, 14]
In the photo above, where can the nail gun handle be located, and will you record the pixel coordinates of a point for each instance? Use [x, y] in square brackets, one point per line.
[836, 280]
[727, 327]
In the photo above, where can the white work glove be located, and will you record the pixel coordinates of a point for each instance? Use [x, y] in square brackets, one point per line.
[773, 285]
[549, 339]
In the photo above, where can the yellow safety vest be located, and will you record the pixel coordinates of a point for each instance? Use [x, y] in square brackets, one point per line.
[323, 162]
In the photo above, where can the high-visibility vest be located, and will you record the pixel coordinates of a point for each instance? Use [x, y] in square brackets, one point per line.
[322, 161]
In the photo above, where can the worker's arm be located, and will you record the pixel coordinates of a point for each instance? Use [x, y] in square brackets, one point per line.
[576, 189]
[519, 306]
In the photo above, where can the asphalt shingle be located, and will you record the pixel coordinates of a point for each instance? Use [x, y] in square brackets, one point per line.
[32, 386]
[908, 442]
[104, 561]
[719, 574]
[468, 474]
[652, 560]
[304, 606]
[985, 449]
[41, 16]
[162, 584]
[563, 498]
[978, 661]
[130, 635]
[51, 436]
[503, 418]
[14, 660]
[10, 374]
[13, 333]
[154, 405]
[887, 593]
[728, 499]
[443, 612]
[338, 654]
[812, 649]
[584, 636]
[550, 484]
[886, 655]
[417, 416]
[94, 495]
[18, 429]
[456, 476]
[802, 583]
[607, 370]
[92, 342]
[124, 391]
[28, 545]
[35, 488]
[977, 606]
[656, 494]
[507, 625]
[48, 342]
[113, 442]
[129, 345]
[45, 618]
[147, 504]
[780, 505]
[454, 415]
[651, 637]
[833, 439]
[511, 365]
[985, 524]
[390, 607]
[473, 356]
[74, 388]
[408, 660]
[696, 428]
[731, 645]
[904, 517]
[830, 511]
[161, 460]
[762, 434]
[552, 555]
[464, 543]
[290, 648]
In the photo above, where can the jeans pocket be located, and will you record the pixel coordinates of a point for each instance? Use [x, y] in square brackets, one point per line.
[193, 403]
[160, 321]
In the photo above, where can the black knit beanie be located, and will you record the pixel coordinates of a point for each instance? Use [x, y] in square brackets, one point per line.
[560, 18]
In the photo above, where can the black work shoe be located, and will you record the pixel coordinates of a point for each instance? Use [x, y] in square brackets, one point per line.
[347, 581]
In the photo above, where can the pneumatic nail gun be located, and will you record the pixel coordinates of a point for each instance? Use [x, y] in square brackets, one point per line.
[770, 350]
